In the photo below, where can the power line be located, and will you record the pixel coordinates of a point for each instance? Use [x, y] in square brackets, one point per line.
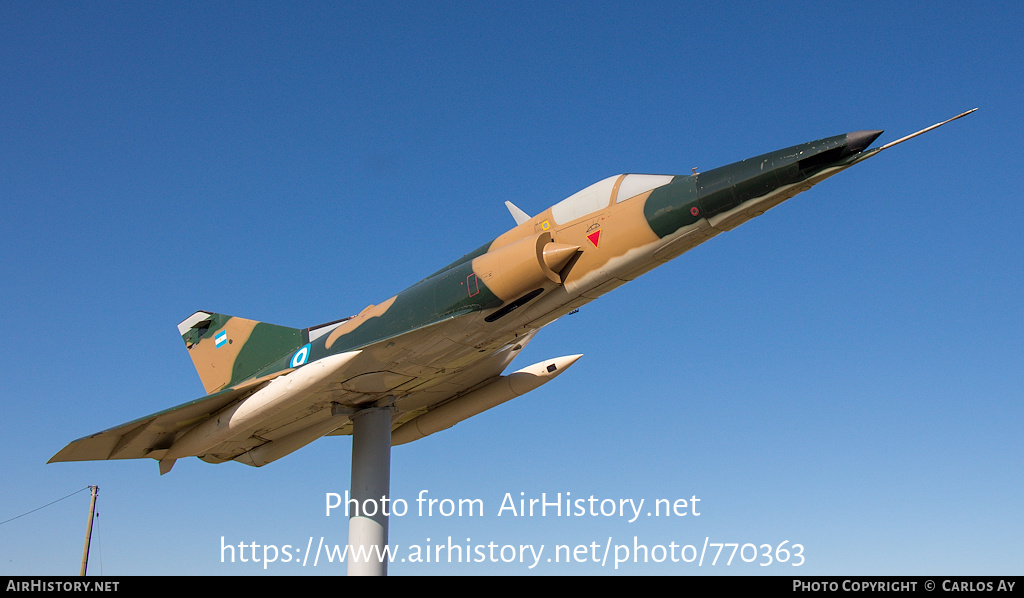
[46, 505]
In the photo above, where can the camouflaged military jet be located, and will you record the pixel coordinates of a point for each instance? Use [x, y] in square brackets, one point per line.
[433, 355]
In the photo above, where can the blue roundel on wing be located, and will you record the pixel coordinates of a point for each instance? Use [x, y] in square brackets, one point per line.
[300, 356]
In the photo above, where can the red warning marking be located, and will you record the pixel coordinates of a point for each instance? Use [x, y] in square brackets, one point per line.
[594, 237]
[694, 210]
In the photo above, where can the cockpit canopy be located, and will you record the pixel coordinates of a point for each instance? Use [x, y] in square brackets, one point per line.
[603, 193]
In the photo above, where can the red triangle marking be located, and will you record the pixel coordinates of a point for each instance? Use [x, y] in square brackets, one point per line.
[594, 237]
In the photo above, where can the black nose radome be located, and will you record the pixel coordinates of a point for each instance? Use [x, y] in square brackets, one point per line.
[858, 140]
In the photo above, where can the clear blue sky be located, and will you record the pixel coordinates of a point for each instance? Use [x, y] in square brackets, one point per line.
[844, 373]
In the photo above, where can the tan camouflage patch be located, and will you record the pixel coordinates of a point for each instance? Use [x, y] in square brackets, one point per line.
[215, 364]
[370, 311]
[609, 240]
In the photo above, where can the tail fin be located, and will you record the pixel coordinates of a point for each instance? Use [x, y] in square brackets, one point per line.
[227, 350]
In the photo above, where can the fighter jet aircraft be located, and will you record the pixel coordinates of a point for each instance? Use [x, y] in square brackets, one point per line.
[433, 354]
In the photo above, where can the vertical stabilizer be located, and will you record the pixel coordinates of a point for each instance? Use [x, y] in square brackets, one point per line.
[227, 350]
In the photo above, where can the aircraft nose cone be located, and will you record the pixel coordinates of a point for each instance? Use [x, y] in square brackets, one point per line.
[858, 140]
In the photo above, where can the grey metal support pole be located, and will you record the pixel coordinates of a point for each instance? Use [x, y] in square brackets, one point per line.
[88, 530]
[371, 485]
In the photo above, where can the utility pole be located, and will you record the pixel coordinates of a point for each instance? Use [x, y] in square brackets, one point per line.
[88, 530]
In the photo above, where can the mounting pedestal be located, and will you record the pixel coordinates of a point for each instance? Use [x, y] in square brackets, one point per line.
[371, 485]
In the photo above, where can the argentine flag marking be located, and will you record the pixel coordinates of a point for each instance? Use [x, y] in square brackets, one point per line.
[220, 339]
